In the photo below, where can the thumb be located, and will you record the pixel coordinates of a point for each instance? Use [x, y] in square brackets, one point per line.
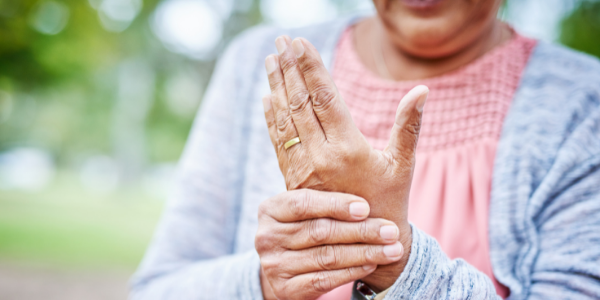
[405, 133]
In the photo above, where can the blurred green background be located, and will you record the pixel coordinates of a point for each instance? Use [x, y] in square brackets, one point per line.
[96, 101]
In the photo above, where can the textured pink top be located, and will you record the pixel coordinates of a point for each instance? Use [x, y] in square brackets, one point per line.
[461, 127]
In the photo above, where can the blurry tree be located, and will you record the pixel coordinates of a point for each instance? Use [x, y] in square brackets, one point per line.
[62, 71]
[581, 29]
[56, 62]
[60, 82]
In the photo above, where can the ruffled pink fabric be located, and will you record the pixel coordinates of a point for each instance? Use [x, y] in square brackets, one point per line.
[461, 127]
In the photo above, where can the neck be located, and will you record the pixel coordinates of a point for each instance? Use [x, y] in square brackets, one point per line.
[384, 58]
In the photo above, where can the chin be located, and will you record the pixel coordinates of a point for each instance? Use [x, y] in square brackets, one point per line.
[427, 38]
[435, 28]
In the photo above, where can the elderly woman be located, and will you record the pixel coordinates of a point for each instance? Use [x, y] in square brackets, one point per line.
[499, 198]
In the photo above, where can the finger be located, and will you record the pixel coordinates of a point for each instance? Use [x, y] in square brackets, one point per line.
[325, 231]
[318, 283]
[271, 125]
[305, 204]
[335, 257]
[405, 133]
[327, 103]
[286, 130]
[300, 105]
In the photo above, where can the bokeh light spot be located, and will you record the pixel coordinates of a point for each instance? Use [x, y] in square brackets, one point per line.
[297, 13]
[117, 15]
[189, 27]
[50, 17]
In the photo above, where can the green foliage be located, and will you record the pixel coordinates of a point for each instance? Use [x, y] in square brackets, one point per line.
[30, 58]
[58, 91]
[581, 29]
[62, 87]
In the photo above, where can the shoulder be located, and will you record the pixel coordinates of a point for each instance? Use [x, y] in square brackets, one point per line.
[553, 66]
[555, 106]
[559, 82]
[562, 57]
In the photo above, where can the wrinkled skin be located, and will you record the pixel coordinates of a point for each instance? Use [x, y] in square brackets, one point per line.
[311, 242]
[414, 43]
[333, 154]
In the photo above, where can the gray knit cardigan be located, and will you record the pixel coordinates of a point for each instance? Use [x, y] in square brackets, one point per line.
[544, 222]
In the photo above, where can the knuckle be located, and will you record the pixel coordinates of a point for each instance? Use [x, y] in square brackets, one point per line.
[364, 234]
[335, 208]
[263, 240]
[300, 204]
[284, 120]
[351, 272]
[276, 85]
[327, 257]
[320, 230]
[287, 62]
[280, 143]
[322, 282]
[311, 67]
[299, 100]
[263, 209]
[269, 265]
[371, 253]
[323, 96]
[412, 128]
[270, 121]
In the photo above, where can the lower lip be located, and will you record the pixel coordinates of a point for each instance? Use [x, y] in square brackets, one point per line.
[423, 4]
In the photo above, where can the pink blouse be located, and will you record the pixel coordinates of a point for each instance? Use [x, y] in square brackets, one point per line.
[461, 126]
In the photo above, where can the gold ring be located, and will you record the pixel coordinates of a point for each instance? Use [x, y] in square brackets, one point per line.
[291, 142]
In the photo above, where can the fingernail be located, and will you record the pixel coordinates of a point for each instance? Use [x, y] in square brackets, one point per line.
[266, 103]
[369, 268]
[393, 251]
[280, 44]
[389, 232]
[298, 47]
[359, 210]
[270, 64]
[422, 92]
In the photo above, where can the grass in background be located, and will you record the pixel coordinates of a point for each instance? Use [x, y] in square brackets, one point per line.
[68, 226]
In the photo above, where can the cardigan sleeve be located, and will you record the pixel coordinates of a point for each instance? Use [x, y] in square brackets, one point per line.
[564, 227]
[567, 221]
[568, 260]
[430, 274]
[192, 253]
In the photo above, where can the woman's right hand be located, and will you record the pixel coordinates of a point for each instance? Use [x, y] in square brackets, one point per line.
[311, 242]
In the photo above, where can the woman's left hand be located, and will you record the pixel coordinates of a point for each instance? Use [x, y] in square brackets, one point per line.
[333, 155]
